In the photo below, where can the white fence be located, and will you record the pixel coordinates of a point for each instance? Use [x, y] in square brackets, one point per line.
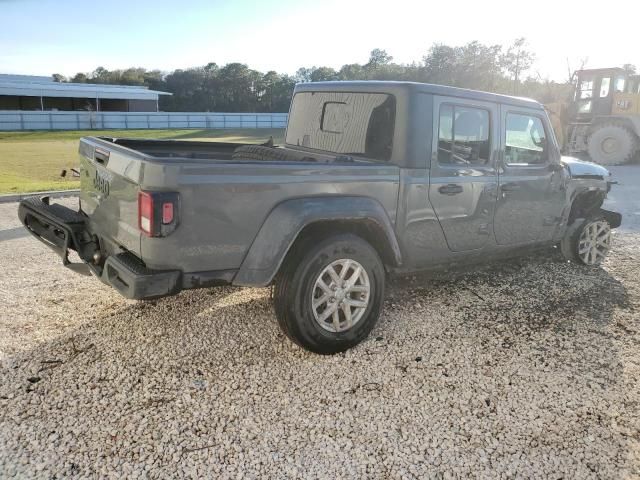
[34, 120]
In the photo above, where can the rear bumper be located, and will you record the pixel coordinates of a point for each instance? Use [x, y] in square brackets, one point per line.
[128, 275]
[62, 229]
[58, 227]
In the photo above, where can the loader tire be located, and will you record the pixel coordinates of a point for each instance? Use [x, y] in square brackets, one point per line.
[612, 145]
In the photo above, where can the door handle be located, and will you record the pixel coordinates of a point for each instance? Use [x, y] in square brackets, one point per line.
[510, 187]
[451, 189]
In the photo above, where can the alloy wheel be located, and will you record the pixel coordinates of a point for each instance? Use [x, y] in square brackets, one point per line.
[340, 295]
[594, 242]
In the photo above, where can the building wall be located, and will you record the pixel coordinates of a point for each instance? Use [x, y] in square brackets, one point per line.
[13, 102]
[58, 103]
[69, 104]
[113, 105]
[9, 102]
[142, 105]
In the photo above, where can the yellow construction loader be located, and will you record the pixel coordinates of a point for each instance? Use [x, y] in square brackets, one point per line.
[603, 119]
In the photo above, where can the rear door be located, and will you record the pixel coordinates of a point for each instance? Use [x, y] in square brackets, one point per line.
[532, 187]
[463, 177]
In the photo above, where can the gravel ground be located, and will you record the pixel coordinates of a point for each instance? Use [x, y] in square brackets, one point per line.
[522, 369]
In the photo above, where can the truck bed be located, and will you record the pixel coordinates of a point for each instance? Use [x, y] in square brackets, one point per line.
[223, 201]
[177, 148]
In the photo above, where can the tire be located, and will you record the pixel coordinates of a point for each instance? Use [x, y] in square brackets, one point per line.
[261, 152]
[579, 238]
[297, 286]
[611, 145]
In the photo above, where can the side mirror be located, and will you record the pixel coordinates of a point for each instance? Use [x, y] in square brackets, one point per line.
[555, 167]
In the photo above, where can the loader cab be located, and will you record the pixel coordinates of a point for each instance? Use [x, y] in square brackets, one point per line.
[627, 102]
[595, 92]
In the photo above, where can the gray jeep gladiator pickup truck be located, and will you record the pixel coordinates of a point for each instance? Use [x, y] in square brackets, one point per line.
[373, 178]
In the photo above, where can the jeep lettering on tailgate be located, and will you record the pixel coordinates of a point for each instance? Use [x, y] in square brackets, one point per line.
[101, 182]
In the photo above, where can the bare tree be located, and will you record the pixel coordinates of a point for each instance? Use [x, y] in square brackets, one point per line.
[571, 73]
[517, 60]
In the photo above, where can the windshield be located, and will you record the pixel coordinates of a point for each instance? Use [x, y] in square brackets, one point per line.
[343, 123]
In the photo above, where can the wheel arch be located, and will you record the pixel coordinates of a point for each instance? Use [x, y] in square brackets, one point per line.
[296, 220]
[589, 203]
[585, 203]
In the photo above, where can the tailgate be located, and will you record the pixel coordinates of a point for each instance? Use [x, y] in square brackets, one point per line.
[109, 184]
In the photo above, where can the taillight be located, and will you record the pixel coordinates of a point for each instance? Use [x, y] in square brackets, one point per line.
[157, 213]
[167, 213]
[145, 212]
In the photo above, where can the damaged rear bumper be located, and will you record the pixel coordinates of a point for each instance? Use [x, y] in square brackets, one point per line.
[58, 227]
[62, 230]
[127, 274]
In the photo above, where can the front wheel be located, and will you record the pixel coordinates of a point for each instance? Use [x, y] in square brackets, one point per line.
[329, 295]
[587, 241]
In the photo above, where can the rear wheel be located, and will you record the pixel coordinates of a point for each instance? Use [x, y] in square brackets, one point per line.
[611, 145]
[588, 241]
[329, 294]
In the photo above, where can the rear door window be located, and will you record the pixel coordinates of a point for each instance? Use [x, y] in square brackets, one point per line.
[463, 137]
[343, 123]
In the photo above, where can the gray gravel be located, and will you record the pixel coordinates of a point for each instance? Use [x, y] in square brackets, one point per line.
[625, 196]
[523, 369]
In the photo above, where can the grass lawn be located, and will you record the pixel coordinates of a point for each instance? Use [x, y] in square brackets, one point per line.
[32, 161]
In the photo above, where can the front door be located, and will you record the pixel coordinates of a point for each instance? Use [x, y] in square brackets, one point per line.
[532, 185]
[463, 177]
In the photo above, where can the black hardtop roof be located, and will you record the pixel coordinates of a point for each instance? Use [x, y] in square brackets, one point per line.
[376, 86]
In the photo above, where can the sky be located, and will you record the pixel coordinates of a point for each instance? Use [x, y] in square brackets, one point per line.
[42, 37]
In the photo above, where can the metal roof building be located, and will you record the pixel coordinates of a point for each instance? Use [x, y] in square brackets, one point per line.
[26, 92]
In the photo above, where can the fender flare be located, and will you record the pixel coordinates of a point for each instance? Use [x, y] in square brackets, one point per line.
[285, 222]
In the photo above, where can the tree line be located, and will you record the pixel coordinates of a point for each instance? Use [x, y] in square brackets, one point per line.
[235, 87]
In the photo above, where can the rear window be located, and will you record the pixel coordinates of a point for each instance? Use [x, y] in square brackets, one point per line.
[343, 123]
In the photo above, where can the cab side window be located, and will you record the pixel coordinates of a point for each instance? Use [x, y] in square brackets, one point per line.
[463, 136]
[526, 142]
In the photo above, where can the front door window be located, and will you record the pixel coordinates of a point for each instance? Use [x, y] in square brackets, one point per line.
[526, 141]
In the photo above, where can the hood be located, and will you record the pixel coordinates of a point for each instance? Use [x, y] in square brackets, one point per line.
[582, 169]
